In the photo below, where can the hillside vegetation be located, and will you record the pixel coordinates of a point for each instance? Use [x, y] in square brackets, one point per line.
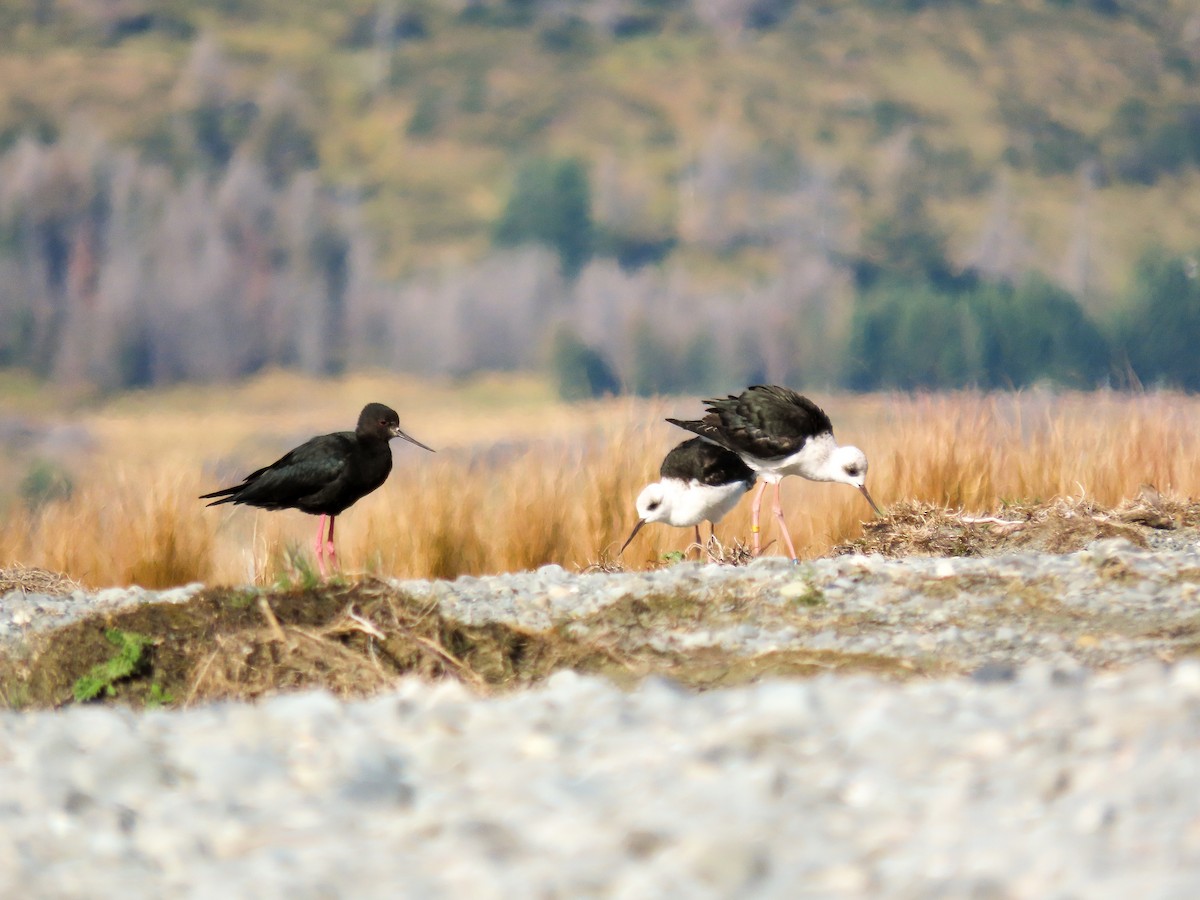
[648, 194]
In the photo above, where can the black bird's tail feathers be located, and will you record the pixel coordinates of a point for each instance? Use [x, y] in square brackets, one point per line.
[226, 495]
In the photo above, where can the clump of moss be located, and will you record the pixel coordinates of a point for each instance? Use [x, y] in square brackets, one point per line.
[102, 677]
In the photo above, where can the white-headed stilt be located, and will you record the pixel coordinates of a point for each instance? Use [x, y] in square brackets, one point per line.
[698, 480]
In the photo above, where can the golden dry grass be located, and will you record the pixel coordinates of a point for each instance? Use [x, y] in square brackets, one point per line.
[521, 480]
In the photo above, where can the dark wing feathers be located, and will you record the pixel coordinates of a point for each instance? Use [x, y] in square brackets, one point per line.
[706, 463]
[705, 429]
[800, 412]
[298, 479]
[764, 421]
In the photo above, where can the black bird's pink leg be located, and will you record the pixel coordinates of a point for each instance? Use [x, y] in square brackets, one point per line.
[320, 545]
[754, 509]
[332, 551]
[787, 538]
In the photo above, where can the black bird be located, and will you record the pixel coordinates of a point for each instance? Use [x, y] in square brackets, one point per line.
[698, 481]
[326, 474]
[777, 432]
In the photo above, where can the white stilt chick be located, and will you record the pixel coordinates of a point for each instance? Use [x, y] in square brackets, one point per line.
[698, 481]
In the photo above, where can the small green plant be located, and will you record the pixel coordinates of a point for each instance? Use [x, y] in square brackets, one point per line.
[671, 557]
[803, 592]
[241, 599]
[131, 649]
[813, 597]
[297, 572]
[16, 697]
[159, 697]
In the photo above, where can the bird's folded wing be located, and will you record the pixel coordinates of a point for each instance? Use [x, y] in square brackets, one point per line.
[770, 422]
[301, 473]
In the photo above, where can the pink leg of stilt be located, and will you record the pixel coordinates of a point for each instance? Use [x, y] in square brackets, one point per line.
[320, 546]
[787, 538]
[754, 508]
[330, 550]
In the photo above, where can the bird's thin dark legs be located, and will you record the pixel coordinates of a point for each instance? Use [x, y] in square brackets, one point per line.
[699, 546]
[787, 538]
[754, 509]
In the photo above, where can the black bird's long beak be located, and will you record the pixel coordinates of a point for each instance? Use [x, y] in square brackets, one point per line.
[632, 535]
[867, 494]
[396, 432]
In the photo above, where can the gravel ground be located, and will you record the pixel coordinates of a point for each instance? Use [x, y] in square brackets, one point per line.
[1036, 775]
[1043, 786]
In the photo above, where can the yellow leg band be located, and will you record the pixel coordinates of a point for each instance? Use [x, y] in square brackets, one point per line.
[754, 529]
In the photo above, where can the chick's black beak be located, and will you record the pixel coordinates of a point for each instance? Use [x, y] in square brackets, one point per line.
[632, 535]
[396, 432]
[867, 494]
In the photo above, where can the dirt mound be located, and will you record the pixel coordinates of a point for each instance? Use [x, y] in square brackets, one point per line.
[231, 643]
[913, 528]
[355, 640]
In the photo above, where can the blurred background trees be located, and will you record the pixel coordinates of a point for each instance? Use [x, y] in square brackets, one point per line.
[551, 205]
[630, 195]
[1162, 323]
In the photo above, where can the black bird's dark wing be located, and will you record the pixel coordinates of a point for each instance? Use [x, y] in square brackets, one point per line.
[705, 462]
[764, 421]
[301, 478]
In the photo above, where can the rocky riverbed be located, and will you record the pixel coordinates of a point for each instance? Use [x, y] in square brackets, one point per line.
[1024, 724]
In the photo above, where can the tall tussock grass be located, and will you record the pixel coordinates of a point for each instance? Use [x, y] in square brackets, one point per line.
[560, 502]
[123, 527]
[568, 499]
[976, 451]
